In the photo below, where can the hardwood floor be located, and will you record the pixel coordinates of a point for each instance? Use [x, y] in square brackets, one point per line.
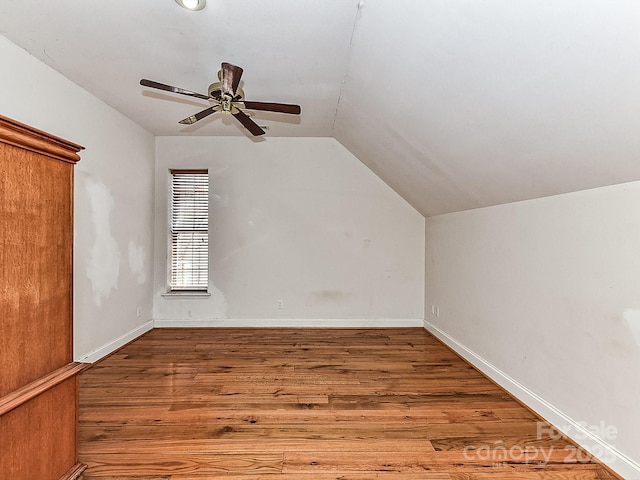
[317, 404]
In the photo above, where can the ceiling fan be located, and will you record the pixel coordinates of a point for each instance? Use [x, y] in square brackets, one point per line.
[228, 98]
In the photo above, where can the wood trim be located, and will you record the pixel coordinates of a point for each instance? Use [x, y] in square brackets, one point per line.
[20, 135]
[75, 472]
[35, 388]
[72, 228]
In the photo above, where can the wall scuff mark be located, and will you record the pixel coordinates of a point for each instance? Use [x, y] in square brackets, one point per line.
[324, 296]
[136, 262]
[103, 267]
[631, 319]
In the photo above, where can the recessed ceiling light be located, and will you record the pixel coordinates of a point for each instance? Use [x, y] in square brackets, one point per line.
[192, 4]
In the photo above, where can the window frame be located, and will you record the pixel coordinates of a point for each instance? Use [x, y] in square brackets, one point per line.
[186, 289]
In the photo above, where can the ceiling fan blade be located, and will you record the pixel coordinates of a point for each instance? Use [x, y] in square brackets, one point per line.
[200, 115]
[273, 107]
[249, 124]
[231, 75]
[170, 88]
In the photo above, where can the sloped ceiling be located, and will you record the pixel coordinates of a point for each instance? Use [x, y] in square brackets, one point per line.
[456, 104]
[463, 104]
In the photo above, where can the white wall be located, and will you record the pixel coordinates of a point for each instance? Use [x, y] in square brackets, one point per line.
[113, 198]
[544, 295]
[297, 219]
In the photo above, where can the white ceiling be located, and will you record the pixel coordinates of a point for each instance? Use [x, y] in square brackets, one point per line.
[456, 104]
[292, 51]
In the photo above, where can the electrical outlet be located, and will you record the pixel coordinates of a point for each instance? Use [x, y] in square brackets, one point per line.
[433, 309]
[139, 312]
[437, 311]
[280, 303]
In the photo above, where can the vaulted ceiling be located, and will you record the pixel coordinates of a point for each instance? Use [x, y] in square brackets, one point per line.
[456, 104]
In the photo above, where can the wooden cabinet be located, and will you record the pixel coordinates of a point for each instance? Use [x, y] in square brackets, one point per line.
[38, 378]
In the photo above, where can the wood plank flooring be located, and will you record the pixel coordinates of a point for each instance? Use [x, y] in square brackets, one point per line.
[317, 404]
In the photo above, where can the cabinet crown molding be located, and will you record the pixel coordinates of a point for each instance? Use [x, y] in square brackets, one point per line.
[24, 136]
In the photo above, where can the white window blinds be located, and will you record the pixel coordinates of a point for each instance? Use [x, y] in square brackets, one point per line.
[189, 230]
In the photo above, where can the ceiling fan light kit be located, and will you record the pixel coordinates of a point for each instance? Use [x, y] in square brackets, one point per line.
[227, 98]
[192, 4]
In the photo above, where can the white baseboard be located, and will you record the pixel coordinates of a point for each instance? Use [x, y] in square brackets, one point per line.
[578, 432]
[112, 346]
[292, 322]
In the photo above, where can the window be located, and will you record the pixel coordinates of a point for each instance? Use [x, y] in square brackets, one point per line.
[189, 231]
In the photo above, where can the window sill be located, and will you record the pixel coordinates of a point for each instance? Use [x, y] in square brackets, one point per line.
[185, 295]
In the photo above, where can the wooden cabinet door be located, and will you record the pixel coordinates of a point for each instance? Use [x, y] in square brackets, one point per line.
[39, 386]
